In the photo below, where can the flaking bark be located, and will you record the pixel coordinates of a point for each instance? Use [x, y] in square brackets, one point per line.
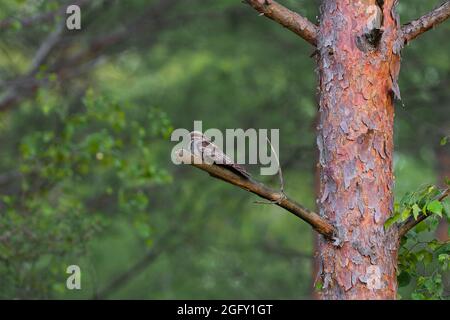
[357, 85]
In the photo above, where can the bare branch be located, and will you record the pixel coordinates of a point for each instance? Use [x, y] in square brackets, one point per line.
[312, 218]
[46, 48]
[13, 94]
[411, 222]
[287, 18]
[415, 28]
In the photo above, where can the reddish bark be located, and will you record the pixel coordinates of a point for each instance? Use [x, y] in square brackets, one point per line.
[316, 272]
[358, 69]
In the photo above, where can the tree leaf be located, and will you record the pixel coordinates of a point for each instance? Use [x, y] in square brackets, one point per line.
[415, 210]
[403, 279]
[406, 213]
[421, 227]
[436, 207]
[389, 222]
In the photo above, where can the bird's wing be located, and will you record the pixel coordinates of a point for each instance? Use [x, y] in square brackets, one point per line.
[216, 154]
[220, 158]
[208, 150]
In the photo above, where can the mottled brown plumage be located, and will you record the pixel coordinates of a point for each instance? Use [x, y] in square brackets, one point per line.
[204, 148]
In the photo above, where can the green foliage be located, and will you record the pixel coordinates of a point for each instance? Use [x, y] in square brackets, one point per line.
[98, 151]
[423, 201]
[444, 140]
[418, 254]
[423, 265]
[85, 171]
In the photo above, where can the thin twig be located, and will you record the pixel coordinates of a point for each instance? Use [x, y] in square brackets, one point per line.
[280, 175]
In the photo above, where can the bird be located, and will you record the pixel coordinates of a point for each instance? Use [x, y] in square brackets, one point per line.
[201, 146]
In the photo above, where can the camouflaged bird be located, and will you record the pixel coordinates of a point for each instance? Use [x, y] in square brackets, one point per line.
[203, 147]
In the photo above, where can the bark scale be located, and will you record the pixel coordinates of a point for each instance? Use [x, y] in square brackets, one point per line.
[358, 55]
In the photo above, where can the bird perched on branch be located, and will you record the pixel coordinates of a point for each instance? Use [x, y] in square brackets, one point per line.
[201, 146]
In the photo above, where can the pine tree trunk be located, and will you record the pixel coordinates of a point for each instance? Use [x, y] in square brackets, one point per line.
[358, 68]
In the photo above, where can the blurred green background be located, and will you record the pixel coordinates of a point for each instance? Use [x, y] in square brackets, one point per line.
[85, 123]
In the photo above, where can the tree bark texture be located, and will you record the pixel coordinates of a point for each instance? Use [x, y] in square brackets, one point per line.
[358, 64]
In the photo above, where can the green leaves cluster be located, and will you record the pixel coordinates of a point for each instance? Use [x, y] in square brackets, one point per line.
[423, 201]
[423, 265]
[77, 167]
[423, 261]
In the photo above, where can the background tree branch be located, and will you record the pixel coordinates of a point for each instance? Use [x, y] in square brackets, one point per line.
[66, 67]
[41, 17]
[416, 27]
[287, 18]
[129, 274]
[310, 217]
[26, 85]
